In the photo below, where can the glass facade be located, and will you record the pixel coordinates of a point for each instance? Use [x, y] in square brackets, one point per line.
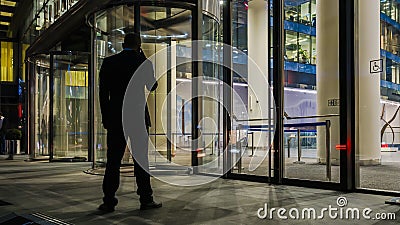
[303, 12]
[70, 106]
[312, 132]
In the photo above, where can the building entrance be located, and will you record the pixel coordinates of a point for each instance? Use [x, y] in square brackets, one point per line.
[186, 128]
[61, 105]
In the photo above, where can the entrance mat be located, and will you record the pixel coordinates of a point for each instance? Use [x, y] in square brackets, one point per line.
[32, 219]
[393, 201]
[3, 203]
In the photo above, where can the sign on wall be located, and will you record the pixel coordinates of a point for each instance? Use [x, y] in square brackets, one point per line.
[333, 102]
[376, 66]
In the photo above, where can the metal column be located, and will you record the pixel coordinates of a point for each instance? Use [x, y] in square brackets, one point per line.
[278, 84]
[227, 88]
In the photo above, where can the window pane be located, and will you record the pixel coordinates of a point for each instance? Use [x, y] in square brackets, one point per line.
[7, 62]
[291, 46]
[304, 48]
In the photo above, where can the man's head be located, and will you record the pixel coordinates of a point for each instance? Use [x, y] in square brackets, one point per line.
[1, 114]
[132, 40]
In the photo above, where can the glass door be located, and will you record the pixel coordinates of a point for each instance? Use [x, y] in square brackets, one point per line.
[311, 92]
[168, 46]
[167, 34]
[70, 106]
[166, 42]
[41, 103]
[253, 109]
[378, 83]
[303, 82]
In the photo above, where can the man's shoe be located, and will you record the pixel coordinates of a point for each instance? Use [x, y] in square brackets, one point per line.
[150, 205]
[106, 208]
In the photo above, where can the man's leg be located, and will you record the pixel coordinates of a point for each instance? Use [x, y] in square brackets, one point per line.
[141, 166]
[116, 144]
[144, 189]
[141, 158]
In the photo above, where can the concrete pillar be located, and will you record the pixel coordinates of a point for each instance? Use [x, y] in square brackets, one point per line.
[328, 74]
[368, 95]
[258, 52]
[157, 101]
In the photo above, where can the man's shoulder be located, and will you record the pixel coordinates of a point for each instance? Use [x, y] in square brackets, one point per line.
[112, 58]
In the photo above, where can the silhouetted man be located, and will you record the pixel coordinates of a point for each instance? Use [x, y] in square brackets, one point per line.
[115, 74]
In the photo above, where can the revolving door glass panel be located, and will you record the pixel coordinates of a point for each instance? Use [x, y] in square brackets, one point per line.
[166, 41]
[110, 26]
[41, 102]
[168, 46]
[70, 106]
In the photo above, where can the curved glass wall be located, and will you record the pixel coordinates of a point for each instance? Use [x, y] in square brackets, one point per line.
[60, 106]
[70, 106]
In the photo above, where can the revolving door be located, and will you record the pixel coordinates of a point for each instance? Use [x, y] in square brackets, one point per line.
[60, 104]
[186, 129]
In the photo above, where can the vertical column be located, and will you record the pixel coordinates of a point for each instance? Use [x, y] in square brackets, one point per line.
[197, 75]
[227, 89]
[328, 73]
[157, 101]
[368, 93]
[51, 107]
[170, 123]
[172, 95]
[278, 78]
[257, 35]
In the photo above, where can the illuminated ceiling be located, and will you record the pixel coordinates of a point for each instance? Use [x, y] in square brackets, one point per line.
[7, 9]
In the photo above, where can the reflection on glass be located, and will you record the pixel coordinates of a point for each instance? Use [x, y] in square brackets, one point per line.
[306, 146]
[250, 143]
[70, 106]
[167, 45]
[291, 13]
[291, 46]
[169, 48]
[211, 122]
[305, 17]
[304, 48]
[42, 101]
[378, 167]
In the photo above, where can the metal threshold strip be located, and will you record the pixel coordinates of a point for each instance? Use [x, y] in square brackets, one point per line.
[34, 218]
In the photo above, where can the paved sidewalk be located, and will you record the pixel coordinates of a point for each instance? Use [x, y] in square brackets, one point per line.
[63, 191]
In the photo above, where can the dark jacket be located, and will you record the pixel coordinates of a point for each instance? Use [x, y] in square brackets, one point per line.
[115, 74]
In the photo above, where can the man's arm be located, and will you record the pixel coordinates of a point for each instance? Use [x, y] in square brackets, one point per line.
[104, 94]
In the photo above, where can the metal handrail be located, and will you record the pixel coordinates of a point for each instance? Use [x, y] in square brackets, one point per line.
[327, 124]
[309, 117]
[251, 120]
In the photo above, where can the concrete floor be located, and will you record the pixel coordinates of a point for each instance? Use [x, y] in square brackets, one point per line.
[63, 191]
